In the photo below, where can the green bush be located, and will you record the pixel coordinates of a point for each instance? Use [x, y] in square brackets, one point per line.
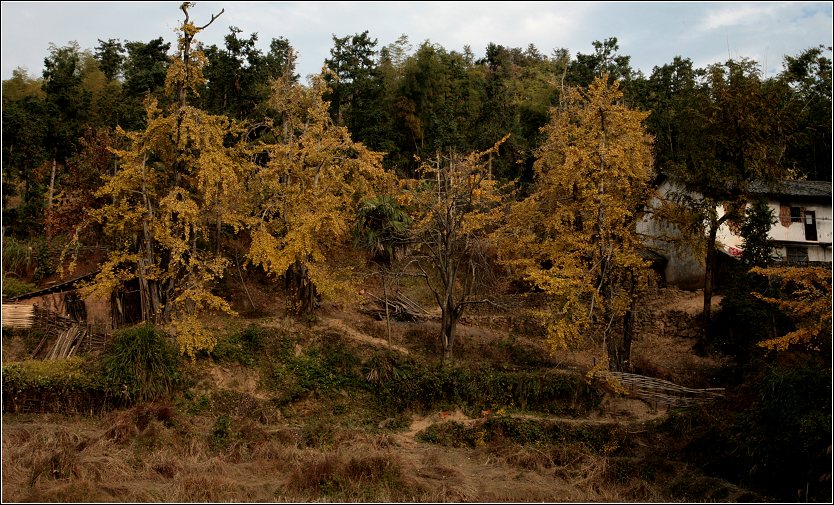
[772, 436]
[243, 347]
[143, 362]
[320, 370]
[44, 258]
[416, 386]
[63, 385]
[453, 434]
[601, 438]
[221, 434]
[14, 287]
[17, 257]
[743, 320]
[787, 434]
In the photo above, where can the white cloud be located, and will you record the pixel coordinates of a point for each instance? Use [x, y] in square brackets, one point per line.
[744, 15]
[652, 33]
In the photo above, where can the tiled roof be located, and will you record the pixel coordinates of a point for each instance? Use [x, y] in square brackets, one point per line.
[821, 189]
[649, 255]
[57, 288]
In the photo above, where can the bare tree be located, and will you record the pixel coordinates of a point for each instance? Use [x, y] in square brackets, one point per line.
[458, 204]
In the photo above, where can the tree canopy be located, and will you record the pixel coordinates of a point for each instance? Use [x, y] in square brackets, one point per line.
[170, 157]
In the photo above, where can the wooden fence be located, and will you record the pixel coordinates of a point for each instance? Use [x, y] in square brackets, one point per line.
[61, 337]
[658, 391]
[400, 307]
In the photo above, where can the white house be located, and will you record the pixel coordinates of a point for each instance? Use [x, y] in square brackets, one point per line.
[802, 233]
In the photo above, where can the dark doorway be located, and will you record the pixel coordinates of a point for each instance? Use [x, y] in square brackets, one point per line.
[810, 225]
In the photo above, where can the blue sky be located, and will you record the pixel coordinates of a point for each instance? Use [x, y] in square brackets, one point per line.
[652, 33]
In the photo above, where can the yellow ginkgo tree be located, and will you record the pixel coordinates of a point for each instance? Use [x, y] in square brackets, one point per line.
[574, 236]
[178, 185]
[310, 180]
[805, 297]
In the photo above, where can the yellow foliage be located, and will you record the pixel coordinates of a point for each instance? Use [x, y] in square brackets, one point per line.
[307, 193]
[574, 237]
[178, 182]
[806, 298]
[456, 205]
[192, 336]
[600, 372]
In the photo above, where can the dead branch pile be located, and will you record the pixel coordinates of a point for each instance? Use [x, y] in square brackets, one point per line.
[400, 308]
[69, 336]
[661, 392]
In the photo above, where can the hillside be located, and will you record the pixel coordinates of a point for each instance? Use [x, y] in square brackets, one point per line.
[284, 411]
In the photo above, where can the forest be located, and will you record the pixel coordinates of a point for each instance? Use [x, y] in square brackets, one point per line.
[415, 261]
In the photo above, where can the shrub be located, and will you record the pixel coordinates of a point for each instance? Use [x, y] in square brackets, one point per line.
[787, 433]
[17, 257]
[743, 320]
[221, 434]
[417, 386]
[14, 287]
[243, 347]
[65, 385]
[453, 434]
[319, 370]
[773, 436]
[44, 258]
[143, 362]
[601, 438]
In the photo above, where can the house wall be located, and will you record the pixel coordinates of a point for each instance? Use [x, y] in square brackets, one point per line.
[54, 302]
[787, 233]
[683, 269]
[97, 308]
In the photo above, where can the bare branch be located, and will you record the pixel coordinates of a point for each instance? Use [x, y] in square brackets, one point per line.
[213, 17]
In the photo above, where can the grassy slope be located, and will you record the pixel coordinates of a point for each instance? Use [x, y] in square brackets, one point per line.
[284, 412]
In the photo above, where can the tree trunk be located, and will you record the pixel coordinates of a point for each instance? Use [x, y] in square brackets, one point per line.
[144, 292]
[302, 290]
[619, 345]
[149, 290]
[219, 223]
[709, 272]
[709, 275]
[51, 185]
[449, 317]
[385, 300]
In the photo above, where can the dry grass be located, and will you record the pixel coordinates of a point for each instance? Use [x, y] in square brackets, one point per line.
[150, 454]
[245, 449]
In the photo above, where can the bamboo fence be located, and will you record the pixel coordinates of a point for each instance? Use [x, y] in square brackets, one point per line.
[61, 337]
[659, 391]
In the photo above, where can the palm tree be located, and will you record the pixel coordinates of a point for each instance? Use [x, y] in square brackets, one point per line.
[381, 230]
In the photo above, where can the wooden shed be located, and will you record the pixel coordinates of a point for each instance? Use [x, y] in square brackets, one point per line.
[68, 320]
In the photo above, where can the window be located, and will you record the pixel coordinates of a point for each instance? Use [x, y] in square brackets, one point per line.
[796, 215]
[797, 255]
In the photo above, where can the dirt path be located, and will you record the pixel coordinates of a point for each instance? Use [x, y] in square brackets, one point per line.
[351, 333]
[614, 410]
[691, 302]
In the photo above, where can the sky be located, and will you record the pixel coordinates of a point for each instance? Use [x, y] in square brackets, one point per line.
[652, 33]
